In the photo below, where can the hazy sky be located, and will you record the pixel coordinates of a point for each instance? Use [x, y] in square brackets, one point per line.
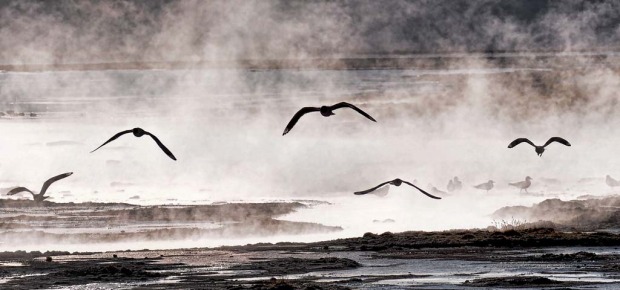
[157, 30]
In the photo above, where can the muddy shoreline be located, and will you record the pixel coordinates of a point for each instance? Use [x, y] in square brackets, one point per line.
[544, 254]
[83, 223]
[299, 265]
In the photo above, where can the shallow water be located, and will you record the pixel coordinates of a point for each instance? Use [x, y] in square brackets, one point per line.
[443, 272]
[225, 128]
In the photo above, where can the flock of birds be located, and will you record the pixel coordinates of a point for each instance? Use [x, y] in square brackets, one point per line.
[453, 185]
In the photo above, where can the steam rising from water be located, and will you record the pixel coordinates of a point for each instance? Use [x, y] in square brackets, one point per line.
[225, 125]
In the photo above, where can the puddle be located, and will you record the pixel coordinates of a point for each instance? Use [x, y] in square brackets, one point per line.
[448, 272]
[11, 264]
[9, 278]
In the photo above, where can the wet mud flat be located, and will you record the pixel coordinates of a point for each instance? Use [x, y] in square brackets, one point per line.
[532, 258]
[80, 223]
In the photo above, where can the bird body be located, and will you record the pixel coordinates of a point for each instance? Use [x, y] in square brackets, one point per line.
[611, 182]
[41, 195]
[523, 185]
[486, 186]
[139, 132]
[396, 182]
[325, 111]
[539, 149]
[450, 186]
[458, 185]
[436, 191]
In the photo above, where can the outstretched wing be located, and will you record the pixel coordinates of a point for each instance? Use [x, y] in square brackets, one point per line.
[519, 141]
[556, 139]
[370, 190]
[296, 117]
[347, 105]
[422, 191]
[161, 145]
[52, 180]
[113, 138]
[18, 190]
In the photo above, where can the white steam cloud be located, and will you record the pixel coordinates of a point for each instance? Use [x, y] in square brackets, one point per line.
[467, 77]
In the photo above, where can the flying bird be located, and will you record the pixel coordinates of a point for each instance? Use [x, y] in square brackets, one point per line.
[485, 186]
[139, 132]
[523, 185]
[326, 111]
[539, 149]
[41, 196]
[611, 182]
[396, 182]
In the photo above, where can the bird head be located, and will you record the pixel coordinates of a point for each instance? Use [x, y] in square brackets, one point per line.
[491, 181]
[528, 178]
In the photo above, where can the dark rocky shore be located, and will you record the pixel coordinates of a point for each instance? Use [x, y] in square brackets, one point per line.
[266, 266]
[531, 251]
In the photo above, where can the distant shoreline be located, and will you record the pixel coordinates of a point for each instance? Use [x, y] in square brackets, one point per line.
[422, 61]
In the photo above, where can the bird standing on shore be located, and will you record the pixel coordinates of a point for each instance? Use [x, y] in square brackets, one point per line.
[139, 132]
[539, 149]
[486, 186]
[437, 191]
[611, 182]
[396, 182]
[523, 185]
[41, 196]
[326, 111]
[458, 185]
[454, 184]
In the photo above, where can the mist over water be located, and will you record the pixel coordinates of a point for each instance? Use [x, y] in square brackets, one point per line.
[224, 124]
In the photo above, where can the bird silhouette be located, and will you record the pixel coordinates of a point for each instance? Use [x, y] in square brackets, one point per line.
[458, 185]
[486, 186]
[450, 186]
[523, 185]
[139, 132]
[41, 196]
[539, 149]
[437, 191]
[326, 111]
[396, 182]
[611, 182]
